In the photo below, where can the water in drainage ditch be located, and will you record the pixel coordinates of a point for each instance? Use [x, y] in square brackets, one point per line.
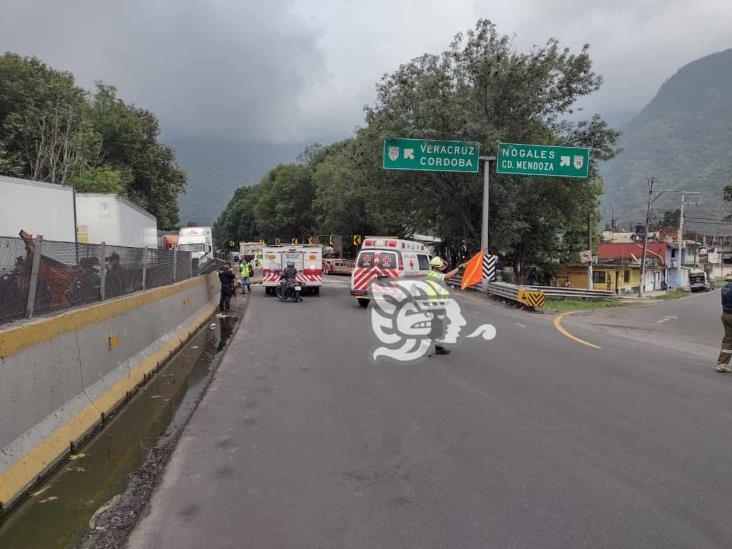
[57, 513]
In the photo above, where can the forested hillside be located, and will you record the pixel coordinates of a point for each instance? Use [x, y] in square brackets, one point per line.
[683, 137]
[52, 130]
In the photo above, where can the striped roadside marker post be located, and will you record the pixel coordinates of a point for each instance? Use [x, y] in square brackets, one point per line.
[489, 269]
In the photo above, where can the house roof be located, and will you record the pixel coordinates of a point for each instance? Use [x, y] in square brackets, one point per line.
[631, 250]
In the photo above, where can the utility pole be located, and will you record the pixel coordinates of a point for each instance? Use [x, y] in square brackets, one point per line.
[642, 287]
[589, 244]
[681, 233]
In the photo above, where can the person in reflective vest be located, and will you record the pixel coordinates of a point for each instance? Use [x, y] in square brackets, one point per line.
[438, 293]
[726, 351]
[244, 276]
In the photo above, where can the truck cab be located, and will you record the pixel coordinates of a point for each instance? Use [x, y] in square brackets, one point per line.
[199, 242]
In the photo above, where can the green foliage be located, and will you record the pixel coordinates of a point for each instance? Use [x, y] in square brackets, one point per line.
[101, 179]
[51, 130]
[480, 89]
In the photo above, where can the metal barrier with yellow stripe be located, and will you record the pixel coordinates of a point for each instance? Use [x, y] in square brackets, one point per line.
[531, 298]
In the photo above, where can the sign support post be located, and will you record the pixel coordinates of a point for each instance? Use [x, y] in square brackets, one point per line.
[486, 203]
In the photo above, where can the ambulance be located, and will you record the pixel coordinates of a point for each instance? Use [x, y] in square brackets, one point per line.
[307, 259]
[387, 257]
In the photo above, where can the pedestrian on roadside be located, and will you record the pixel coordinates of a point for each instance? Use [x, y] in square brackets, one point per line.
[726, 352]
[228, 281]
[244, 273]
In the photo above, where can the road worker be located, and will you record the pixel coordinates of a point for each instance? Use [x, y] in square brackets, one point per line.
[437, 291]
[726, 351]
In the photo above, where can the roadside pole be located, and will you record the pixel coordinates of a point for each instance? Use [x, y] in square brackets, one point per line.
[486, 203]
[589, 247]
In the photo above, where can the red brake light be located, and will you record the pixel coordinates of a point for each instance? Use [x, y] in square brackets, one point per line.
[391, 244]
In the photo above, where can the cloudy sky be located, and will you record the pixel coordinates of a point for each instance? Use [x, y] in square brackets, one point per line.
[301, 70]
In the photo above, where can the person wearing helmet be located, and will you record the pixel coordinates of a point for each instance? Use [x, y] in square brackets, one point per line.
[726, 352]
[290, 271]
[438, 290]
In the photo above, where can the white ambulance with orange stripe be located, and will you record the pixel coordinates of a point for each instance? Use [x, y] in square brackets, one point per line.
[384, 257]
[307, 259]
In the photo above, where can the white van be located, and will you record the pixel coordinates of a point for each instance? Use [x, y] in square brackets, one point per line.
[307, 259]
[387, 257]
[198, 241]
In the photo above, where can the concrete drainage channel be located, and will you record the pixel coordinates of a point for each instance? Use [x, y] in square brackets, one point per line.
[66, 509]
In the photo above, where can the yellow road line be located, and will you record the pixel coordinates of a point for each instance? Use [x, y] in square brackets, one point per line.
[565, 333]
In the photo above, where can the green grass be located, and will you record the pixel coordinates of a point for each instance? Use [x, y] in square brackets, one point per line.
[566, 304]
[673, 294]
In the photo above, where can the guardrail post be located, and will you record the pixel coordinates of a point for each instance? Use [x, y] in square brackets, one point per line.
[175, 263]
[103, 263]
[31, 300]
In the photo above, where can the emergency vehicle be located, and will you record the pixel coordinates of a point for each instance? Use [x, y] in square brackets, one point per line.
[387, 257]
[307, 259]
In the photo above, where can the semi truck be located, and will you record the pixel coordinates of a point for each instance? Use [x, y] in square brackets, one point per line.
[114, 220]
[198, 241]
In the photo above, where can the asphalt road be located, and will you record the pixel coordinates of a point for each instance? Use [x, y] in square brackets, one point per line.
[529, 440]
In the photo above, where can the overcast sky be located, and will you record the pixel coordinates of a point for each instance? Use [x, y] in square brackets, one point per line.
[301, 70]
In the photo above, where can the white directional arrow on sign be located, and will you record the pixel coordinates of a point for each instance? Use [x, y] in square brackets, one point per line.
[409, 154]
[564, 161]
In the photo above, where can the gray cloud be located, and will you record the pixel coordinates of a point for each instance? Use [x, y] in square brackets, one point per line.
[300, 70]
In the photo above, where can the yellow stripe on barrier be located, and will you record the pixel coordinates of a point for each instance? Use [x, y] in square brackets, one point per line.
[17, 338]
[18, 476]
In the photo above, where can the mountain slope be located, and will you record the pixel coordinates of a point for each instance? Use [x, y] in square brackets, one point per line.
[217, 167]
[683, 137]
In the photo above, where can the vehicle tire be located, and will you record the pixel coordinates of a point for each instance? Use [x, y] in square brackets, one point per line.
[363, 302]
[316, 290]
[281, 292]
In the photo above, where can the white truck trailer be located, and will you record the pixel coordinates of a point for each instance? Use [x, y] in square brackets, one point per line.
[114, 220]
[39, 208]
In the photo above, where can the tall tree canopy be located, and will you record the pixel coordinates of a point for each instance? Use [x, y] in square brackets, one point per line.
[480, 89]
[52, 130]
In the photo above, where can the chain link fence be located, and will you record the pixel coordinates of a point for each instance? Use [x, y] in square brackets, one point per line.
[39, 276]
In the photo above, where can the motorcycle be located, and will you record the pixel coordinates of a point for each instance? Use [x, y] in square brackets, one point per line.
[287, 290]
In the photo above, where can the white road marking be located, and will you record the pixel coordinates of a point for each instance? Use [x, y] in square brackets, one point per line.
[520, 325]
[667, 318]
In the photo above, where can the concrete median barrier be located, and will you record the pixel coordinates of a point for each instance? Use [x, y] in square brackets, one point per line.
[60, 375]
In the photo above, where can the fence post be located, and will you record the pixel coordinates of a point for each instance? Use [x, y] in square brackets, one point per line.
[190, 264]
[175, 262]
[31, 301]
[144, 269]
[102, 262]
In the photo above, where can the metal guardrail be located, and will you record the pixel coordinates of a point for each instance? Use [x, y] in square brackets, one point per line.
[557, 291]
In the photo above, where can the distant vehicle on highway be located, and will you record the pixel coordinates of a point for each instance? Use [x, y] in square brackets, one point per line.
[699, 281]
[198, 241]
[386, 257]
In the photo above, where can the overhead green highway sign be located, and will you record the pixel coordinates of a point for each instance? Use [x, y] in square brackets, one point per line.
[547, 160]
[431, 155]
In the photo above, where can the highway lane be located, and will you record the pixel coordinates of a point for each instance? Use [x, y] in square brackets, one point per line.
[530, 440]
[690, 324]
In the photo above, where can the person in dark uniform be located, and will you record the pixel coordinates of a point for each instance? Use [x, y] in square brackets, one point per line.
[726, 352]
[228, 281]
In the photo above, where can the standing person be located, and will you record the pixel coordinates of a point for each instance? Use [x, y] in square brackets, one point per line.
[438, 290]
[228, 280]
[244, 273]
[114, 283]
[726, 352]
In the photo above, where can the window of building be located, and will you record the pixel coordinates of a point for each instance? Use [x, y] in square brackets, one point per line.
[626, 276]
[598, 277]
